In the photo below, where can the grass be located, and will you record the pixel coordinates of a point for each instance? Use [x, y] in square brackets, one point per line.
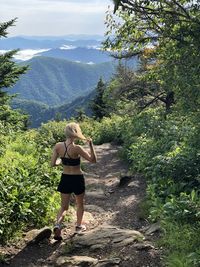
[181, 244]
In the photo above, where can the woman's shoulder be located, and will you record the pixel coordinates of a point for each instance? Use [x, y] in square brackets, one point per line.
[78, 147]
[59, 144]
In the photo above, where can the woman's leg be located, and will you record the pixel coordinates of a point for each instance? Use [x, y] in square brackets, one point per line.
[65, 198]
[61, 214]
[80, 208]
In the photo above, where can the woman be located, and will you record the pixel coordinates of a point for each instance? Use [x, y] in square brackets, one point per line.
[72, 179]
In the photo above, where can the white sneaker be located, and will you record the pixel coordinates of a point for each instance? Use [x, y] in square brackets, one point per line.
[80, 228]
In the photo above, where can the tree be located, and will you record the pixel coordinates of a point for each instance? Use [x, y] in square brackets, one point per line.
[169, 29]
[9, 75]
[97, 105]
[129, 85]
[80, 114]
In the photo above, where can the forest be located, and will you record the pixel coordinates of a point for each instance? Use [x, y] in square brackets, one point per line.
[153, 113]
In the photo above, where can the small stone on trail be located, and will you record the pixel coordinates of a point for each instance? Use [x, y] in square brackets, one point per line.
[98, 194]
[76, 261]
[143, 246]
[111, 191]
[109, 262]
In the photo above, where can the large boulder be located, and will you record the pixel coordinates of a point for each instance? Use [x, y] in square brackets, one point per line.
[106, 235]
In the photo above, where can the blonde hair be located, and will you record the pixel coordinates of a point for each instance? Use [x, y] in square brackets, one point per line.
[73, 130]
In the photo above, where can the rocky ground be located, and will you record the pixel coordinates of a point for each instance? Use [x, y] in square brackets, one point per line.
[117, 233]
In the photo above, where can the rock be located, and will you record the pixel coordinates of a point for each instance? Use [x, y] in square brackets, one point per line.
[30, 235]
[83, 261]
[92, 175]
[95, 184]
[35, 236]
[152, 228]
[112, 182]
[99, 194]
[124, 180]
[98, 246]
[131, 184]
[111, 190]
[113, 174]
[87, 216]
[94, 208]
[109, 262]
[143, 246]
[106, 235]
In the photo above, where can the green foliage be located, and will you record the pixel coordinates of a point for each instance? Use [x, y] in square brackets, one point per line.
[181, 243]
[108, 130]
[13, 117]
[167, 153]
[162, 144]
[5, 25]
[164, 34]
[28, 185]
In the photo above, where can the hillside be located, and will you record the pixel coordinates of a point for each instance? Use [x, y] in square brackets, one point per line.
[41, 113]
[55, 81]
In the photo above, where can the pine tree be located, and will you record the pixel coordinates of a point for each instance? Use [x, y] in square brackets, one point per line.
[10, 72]
[80, 114]
[98, 105]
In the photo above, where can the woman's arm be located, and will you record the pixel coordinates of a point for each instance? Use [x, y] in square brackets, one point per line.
[54, 157]
[88, 156]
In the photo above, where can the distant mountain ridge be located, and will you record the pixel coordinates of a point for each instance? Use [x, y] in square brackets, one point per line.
[55, 81]
[81, 54]
[64, 37]
[26, 43]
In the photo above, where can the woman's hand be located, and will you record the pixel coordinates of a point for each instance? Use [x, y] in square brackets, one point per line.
[89, 141]
[58, 162]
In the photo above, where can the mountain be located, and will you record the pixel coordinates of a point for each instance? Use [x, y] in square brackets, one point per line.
[41, 113]
[55, 81]
[80, 54]
[26, 43]
[38, 112]
[54, 86]
[69, 37]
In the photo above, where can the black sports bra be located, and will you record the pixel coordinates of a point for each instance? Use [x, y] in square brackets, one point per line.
[69, 161]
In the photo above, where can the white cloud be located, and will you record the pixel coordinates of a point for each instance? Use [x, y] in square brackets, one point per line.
[28, 53]
[25, 54]
[67, 47]
[55, 17]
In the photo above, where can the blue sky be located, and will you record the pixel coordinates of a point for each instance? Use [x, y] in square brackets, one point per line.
[55, 17]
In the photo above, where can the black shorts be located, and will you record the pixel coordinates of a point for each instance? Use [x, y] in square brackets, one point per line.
[71, 183]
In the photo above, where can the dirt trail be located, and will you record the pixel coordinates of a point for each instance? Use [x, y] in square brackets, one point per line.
[115, 233]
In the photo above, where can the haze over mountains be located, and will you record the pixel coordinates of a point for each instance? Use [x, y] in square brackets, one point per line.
[62, 70]
[35, 42]
[85, 51]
